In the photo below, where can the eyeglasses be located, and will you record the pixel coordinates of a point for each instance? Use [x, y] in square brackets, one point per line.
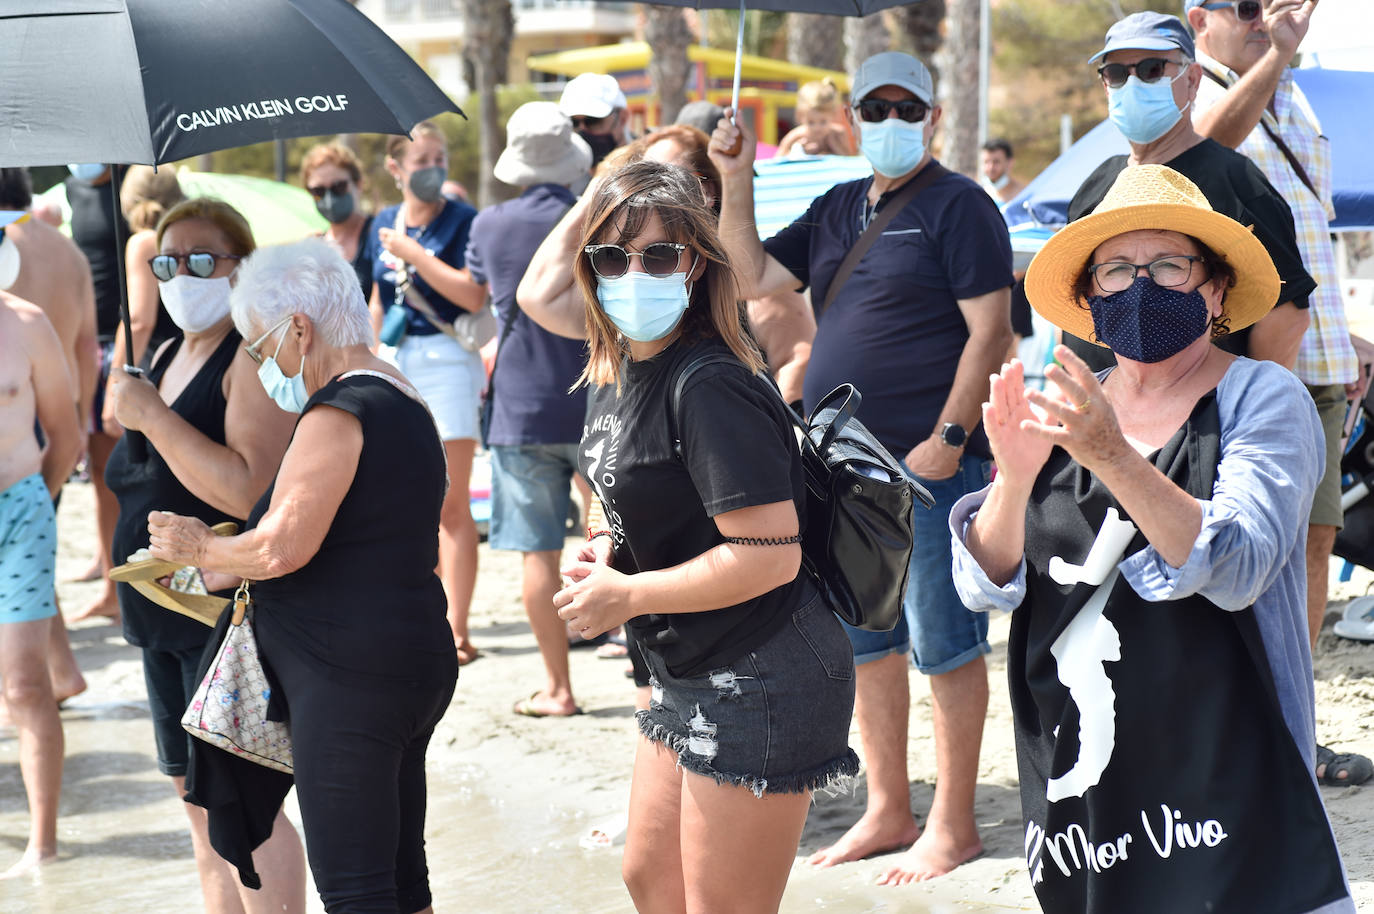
[254, 349]
[611, 261]
[874, 110]
[199, 263]
[582, 122]
[338, 189]
[1118, 275]
[1245, 10]
[1149, 70]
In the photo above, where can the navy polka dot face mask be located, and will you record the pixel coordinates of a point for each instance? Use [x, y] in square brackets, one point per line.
[1147, 322]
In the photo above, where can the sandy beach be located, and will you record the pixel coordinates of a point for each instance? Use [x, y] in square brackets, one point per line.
[512, 798]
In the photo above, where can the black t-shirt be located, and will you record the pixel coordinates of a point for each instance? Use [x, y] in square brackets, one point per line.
[738, 451]
[368, 602]
[1234, 187]
[93, 230]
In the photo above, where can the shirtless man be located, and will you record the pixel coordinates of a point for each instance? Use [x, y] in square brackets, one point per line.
[33, 385]
[54, 275]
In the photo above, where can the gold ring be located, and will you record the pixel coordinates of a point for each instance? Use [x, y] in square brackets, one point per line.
[1082, 406]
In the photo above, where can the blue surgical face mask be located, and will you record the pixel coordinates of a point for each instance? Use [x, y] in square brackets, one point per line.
[892, 146]
[1147, 322]
[1142, 111]
[287, 393]
[87, 172]
[643, 307]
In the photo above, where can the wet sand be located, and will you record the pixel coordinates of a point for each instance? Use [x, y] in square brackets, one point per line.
[511, 797]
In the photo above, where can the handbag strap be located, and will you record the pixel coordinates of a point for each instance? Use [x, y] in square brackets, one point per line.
[908, 192]
[413, 296]
[1278, 141]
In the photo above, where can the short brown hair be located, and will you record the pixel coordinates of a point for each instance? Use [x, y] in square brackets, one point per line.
[336, 154]
[396, 146]
[637, 192]
[227, 219]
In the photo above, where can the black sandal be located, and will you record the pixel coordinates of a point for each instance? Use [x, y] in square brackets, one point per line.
[1342, 769]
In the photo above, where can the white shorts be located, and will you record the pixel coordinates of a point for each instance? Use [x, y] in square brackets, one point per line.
[448, 377]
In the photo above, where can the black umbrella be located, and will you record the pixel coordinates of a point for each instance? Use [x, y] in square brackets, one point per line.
[828, 7]
[153, 81]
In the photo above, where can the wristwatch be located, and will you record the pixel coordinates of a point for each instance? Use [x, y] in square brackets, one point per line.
[953, 434]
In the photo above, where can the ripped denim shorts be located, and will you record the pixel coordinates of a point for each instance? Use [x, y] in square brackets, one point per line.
[774, 721]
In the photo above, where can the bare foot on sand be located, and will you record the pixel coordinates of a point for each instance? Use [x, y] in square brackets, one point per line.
[935, 853]
[467, 652]
[29, 863]
[870, 835]
[106, 605]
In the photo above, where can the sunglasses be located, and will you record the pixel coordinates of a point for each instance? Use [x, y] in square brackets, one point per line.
[611, 261]
[338, 189]
[1149, 70]
[1118, 275]
[874, 110]
[582, 122]
[1245, 10]
[200, 263]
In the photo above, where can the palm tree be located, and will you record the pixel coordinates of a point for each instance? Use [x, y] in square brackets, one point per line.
[668, 35]
[488, 26]
[815, 40]
[960, 92]
[864, 37]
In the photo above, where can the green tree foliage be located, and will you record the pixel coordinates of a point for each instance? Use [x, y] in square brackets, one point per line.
[1041, 70]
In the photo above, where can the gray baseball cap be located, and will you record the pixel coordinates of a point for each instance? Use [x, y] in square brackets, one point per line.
[1147, 32]
[892, 68]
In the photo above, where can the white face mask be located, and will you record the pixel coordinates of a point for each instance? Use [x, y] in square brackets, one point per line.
[194, 304]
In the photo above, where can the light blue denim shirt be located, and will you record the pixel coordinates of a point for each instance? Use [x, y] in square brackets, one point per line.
[1252, 546]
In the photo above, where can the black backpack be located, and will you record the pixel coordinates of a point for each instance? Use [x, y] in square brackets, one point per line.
[857, 532]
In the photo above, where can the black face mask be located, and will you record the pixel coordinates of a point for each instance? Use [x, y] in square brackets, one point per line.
[602, 144]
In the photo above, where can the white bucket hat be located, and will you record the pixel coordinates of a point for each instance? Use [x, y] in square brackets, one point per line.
[541, 148]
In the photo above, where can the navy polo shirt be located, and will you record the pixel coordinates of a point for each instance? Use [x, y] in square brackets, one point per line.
[446, 237]
[534, 368]
[895, 330]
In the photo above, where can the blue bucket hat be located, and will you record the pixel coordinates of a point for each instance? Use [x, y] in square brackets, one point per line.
[1147, 32]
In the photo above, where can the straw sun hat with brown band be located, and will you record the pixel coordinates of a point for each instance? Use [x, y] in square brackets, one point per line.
[1150, 197]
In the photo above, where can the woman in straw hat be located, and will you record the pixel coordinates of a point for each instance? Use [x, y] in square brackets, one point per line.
[1147, 526]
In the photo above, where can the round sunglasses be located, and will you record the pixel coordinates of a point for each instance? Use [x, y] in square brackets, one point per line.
[874, 110]
[1245, 10]
[611, 261]
[1148, 70]
[200, 263]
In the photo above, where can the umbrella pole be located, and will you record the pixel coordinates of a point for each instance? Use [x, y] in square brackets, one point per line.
[734, 92]
[137, 444]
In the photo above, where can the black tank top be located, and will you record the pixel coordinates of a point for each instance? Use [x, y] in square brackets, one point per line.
[150, 486]
[369, 602]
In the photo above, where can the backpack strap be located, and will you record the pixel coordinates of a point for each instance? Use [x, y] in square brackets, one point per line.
[928, 176]
[711, 358]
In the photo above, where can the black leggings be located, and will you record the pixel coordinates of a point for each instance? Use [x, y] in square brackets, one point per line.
[360, 780]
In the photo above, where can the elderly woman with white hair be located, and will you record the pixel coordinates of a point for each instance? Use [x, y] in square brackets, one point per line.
[339, 556]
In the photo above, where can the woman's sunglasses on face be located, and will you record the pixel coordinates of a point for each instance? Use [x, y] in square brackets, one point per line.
[1149, 70]
[200, 263]
[611, 261]
[338, 189]
[1245, 10]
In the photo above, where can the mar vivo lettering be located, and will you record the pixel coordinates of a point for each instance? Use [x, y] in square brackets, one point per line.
[1070, 850]
[266, 108]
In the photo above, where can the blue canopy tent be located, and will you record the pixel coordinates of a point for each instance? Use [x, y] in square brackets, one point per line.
[1335, 95]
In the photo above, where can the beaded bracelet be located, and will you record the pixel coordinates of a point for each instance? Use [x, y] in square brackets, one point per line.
[764, 541]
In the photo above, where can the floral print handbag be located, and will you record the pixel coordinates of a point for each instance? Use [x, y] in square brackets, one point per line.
[229, 707]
